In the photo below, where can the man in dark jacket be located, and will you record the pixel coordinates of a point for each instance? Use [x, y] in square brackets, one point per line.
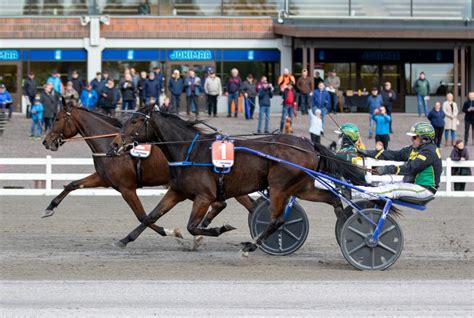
[152, 88]
[110, 98]
[468, 109]
[96, 83]
[232, 90]
[29, 89]
[128, 89]
[388, 98]
[176, 87]
[305, 89]
[50, 100]
[77, 82]
[422, 90]
[421, 171]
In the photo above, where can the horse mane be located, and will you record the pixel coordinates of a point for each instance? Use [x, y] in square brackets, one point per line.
[110, 120]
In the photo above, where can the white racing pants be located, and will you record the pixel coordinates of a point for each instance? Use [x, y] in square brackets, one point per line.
[393, 191]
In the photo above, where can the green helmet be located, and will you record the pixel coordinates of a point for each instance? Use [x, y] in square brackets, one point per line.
[350, 130]
[423, 130]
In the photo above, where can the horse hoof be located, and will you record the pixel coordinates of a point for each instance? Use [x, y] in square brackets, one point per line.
[244, 254]
[47, 213]
[197, 242]
[248, 247]
[227, 227]
[177, 233]
[119, 244]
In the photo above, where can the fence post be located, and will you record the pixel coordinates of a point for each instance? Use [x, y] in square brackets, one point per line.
[448, 177]
[49, 171]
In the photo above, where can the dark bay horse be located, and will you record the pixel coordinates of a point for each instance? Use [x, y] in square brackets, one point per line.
[125, 173]
[250, 173]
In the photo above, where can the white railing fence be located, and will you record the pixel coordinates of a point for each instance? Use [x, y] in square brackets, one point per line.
[48, 177]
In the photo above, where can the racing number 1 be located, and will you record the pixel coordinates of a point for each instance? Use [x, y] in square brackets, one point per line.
[223, 149]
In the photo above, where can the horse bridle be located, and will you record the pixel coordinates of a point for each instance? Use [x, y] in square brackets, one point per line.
[144, 125]
[61, 138]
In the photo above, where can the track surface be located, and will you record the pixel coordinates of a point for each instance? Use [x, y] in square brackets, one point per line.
[434, 275]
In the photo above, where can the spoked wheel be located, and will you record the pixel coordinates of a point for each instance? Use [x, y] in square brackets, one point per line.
[348, 211]
[360, 252]
[289, 237]
[259, 200]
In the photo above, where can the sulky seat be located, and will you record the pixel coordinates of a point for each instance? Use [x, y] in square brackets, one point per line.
[418, 201]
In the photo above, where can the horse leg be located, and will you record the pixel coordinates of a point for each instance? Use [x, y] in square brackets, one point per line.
[92, 181]
[245, 200]
[277, 204]
[198, 212]
[130, 196]
[170, 199]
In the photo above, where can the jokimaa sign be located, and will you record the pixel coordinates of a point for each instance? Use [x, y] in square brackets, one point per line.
[190, 55]
[9, 55]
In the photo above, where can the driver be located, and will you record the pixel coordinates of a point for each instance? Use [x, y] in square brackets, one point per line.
[421, 171]
[349, 136]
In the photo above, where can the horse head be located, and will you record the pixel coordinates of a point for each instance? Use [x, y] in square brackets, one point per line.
[63, 128]
[134, 131]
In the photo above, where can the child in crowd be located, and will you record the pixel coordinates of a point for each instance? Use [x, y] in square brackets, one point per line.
[316, 125]
[37, 119]
[382, 126]
[459, 153]
[289, 104]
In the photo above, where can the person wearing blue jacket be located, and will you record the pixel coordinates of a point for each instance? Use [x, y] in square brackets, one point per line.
[152, 88]
[89, 97]
[374, 101]
[6, 100]
[382, 126]
[175, 87]
[55, 79]
[321, 101]
[37, 110]
[436, 118]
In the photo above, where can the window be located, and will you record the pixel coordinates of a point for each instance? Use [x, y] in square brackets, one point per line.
[439, 75]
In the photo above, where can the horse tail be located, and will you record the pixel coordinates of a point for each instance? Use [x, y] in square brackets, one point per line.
[394, 211]
[334, 165]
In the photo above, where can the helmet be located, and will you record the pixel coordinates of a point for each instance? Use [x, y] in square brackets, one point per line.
[350, 131]
[424, 130]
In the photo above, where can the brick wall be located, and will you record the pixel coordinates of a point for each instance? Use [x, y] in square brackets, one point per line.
[138, 27]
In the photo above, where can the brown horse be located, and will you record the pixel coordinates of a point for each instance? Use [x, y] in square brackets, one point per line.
[249, 173]
[125, 174]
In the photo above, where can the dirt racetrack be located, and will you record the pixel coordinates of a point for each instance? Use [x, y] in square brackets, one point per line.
[75, 244]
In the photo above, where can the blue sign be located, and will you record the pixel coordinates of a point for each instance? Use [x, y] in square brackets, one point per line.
[9, 55]
[251, 55]
[130, 55]
[58, 55]
[190, 55]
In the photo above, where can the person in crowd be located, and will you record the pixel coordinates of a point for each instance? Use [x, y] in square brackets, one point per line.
[152, 101]
[285, 79]
[192, 86]
[249, 89]
[468, 109]
[104, 80]
[421, 171]
[141, 88]
[315, 126]
[213, 89]
[127, 88]
[89, 97]
[37, 118]
[166, 107]
[96, 83]
[374, 101]
[321, 101]
[317, 79]
[77, 82]
[382, 126]
[305, 88]
[459, 153]
[111, 96]
[6, 100]
[50, 100]
[436, 118]
[55, 79]
[152, 88]
[70, 93]
[332, 83]
[160, 78]
[289, 105]
[422, 90]
[176, 87]
[29, 89]
[144, 8]
[135, 76]
[450, 109]
[442, 89]
[388, 98]
[232, 90]
[265, 93]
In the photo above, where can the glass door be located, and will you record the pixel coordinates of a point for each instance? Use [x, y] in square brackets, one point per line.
[200, 69]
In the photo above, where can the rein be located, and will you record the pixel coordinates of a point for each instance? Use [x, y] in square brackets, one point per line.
[91, 137]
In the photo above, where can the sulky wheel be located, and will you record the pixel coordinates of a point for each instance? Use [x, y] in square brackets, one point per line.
[289, 237]
[258, 201]
[348, 211]
[357, 249]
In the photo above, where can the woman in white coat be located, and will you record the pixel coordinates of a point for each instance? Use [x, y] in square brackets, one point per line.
[450, 108]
